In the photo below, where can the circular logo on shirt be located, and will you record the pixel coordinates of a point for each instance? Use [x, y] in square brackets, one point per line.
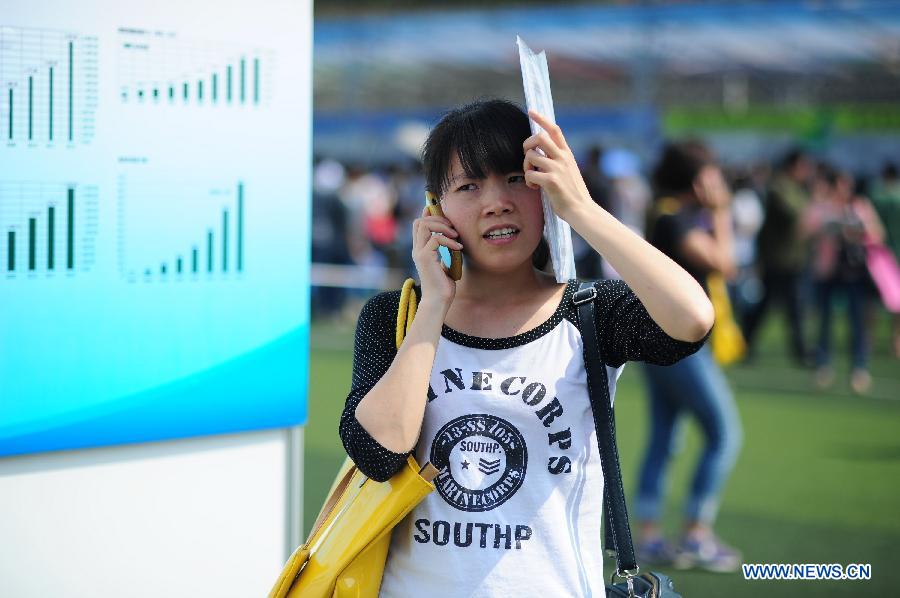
[481, 461]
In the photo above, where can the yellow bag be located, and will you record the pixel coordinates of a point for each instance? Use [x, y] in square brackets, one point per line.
[727, 341]
[346, 550]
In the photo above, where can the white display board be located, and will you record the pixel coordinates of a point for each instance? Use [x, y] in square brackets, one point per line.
[198, 517]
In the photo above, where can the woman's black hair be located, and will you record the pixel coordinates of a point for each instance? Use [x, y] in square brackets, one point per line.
[791, 158]
[487, 135]
[678, 166]
[828, 173]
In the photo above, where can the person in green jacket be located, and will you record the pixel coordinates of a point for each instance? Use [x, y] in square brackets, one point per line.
[782, 252]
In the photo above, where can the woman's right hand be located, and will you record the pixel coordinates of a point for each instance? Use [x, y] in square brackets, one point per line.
[433, 274]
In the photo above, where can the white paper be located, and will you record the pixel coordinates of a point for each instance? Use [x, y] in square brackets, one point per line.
[536, 81]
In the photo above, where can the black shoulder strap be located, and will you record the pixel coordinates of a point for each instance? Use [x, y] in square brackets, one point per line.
[618, 534]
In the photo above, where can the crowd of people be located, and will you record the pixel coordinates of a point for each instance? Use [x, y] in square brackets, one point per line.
[800, 229]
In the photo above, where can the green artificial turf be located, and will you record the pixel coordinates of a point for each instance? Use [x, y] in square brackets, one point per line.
[817, 481]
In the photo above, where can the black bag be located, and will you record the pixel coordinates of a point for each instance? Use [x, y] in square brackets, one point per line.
[618, 540]
[645, 585]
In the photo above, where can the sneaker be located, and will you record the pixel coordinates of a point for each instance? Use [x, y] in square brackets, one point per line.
[656, 552]
[860, 381]
[708, 553]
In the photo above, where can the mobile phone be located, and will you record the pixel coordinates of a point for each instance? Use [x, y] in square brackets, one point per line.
[454, 262]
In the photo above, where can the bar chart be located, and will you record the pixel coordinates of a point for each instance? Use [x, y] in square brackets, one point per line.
[48, 229]
[162, 68]
[183, 231]
[48, 81]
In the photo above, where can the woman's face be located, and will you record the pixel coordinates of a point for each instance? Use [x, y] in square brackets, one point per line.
[844, 188]
[495, 204]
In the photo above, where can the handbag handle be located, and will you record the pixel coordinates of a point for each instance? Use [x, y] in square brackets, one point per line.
[618, 533]
[406, 310]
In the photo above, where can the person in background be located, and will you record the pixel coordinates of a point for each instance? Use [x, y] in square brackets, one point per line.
[329, 233]
[594, 178]
[747, 212]
[407, 183]
[588, 263]
[841, 224]
[886, 199]
[369, 202]
[629, 193]
[691, 223]
[782, 252]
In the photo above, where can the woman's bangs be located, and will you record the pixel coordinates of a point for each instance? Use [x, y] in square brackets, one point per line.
[489, 146]
[487, 137]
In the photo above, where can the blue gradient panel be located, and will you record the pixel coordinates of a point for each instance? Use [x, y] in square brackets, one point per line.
[261, 389]
[154, 222]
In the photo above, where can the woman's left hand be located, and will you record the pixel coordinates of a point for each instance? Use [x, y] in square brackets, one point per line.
[555, 172]
[711, 189]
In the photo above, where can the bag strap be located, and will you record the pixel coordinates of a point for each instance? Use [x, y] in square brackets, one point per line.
[618, 533]
[406, 310]
[332, 500]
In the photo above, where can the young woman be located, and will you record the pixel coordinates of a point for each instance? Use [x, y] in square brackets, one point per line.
[691, 222]
[489, 384]
[841, 223]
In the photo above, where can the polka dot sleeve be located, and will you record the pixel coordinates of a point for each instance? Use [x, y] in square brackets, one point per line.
[628, 333]
[374, 350]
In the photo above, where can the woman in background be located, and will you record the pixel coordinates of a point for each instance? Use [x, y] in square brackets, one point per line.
[691, 223]
[841, 223]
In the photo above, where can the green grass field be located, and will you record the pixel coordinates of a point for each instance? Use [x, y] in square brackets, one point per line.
[818, 479]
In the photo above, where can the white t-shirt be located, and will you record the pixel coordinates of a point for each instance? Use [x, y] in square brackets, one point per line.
[518, 506]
